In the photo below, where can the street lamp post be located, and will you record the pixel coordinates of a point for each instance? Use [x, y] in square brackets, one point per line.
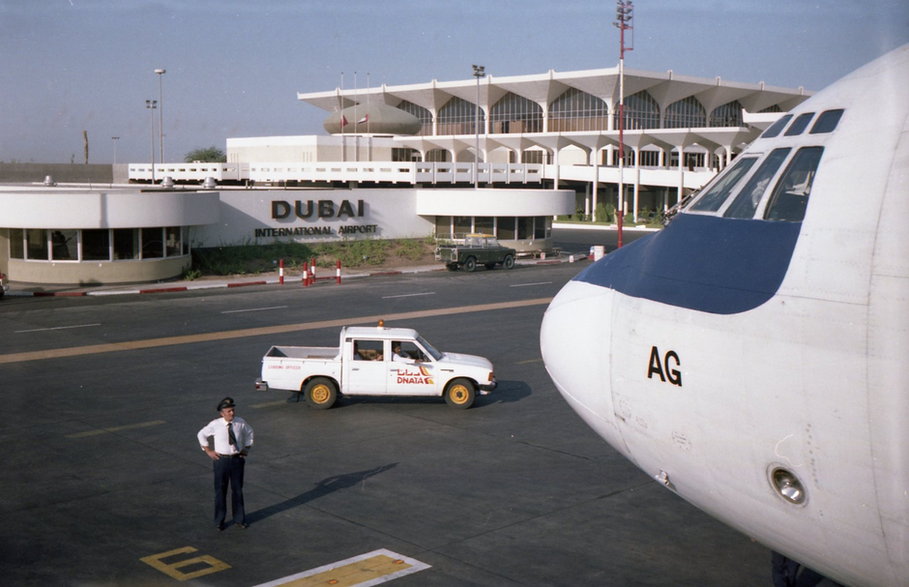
[623, 15]
[478, 72]
[115, 140]
[151, 105]
[160, 73]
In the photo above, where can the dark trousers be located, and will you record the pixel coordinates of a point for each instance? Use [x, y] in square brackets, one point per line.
[229, 471]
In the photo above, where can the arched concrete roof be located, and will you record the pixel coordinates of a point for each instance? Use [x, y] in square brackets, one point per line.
[666, 88]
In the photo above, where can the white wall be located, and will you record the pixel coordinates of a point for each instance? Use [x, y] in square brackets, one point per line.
[50, 207]
[308, 149]
[494, 202]
[387, 213]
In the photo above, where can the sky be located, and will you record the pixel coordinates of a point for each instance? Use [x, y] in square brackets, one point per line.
[234, 67]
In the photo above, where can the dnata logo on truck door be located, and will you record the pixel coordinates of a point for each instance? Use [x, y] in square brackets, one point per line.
[421, 376]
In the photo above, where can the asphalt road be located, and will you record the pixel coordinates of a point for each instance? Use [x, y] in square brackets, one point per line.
[104, 484]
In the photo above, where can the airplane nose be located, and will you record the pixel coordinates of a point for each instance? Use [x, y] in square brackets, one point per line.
[575, 343]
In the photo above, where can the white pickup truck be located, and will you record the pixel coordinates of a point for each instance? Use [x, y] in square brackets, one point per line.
[376, 361]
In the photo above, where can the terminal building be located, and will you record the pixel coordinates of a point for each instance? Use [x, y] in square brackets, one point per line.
[554, 130]
[502, 155]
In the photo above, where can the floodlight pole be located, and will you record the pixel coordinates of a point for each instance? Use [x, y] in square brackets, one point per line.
[623, 15]
[160, 73]
[152, 105]
[478, 72]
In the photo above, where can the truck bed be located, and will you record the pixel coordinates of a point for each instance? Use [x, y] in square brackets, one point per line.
[303, 352]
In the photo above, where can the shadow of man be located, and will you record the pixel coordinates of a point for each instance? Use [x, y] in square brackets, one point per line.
[323, 487]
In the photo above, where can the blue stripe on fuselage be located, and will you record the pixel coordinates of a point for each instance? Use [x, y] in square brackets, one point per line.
[705, 263]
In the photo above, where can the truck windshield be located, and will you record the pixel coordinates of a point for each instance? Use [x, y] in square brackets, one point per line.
[436, 355]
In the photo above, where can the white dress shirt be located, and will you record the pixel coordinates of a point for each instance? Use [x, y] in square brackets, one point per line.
[217, 429]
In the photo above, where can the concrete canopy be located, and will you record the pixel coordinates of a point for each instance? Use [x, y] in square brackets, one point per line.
[378, 118]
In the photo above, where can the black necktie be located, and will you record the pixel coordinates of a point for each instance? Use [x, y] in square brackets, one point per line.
[230, 434]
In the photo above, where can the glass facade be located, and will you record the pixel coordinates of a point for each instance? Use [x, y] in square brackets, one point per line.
[39, 244]
[36, 247]
[686, 113]
[516, 114]
[502, 227]
[458, 117]
[64, 245]
[96, 245]
[438, 156]
[729, 114]
[575, 110]
[641, 112]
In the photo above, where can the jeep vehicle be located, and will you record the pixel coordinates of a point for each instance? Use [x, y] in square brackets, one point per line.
[473, 250]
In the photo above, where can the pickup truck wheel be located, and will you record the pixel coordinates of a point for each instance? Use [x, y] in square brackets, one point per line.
[460, 393]
[508, 262]
[470, 264]
[321, 393]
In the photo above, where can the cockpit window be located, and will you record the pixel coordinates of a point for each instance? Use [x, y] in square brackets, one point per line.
[800, 124]
[713, 197]
[776, 127]
[827, 121]
[790, 198]
[750, 196]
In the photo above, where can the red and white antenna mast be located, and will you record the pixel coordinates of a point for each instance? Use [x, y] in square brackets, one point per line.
[623, 16]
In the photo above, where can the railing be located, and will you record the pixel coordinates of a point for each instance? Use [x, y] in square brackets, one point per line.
[406, 172]
[189, 171]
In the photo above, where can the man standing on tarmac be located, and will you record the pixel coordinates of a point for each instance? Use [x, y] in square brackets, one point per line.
[232, 438]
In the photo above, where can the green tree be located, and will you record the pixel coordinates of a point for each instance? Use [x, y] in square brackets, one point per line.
[209, 155]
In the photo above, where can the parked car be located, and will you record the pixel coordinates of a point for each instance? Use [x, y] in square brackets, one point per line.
[475, 249]
[4, 284]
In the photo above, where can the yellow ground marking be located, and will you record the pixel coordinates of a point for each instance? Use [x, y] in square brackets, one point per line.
[212, 565]
[100, 431]
[149, 343]
[371, 568]
[528, 361]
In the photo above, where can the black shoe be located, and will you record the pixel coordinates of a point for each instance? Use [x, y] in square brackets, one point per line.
[221, 527]
[243, 525]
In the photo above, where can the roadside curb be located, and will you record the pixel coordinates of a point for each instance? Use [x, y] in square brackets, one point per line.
[288, 281]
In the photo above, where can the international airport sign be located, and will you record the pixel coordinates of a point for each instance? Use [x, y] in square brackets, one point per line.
[316, 209]
[344, 230]
[281, 209]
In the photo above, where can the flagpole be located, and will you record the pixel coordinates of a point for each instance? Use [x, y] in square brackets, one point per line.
[356, 121]
[341, 119]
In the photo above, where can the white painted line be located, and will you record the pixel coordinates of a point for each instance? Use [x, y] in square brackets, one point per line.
[429, 293]
[112, 292]
[372, 568]
[254, 309]
[529, 284]
[57, 328]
